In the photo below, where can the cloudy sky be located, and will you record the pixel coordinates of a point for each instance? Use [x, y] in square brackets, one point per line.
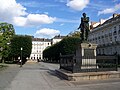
[47, 18]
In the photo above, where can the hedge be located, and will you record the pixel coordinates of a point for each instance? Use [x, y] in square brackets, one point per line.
[65, 47]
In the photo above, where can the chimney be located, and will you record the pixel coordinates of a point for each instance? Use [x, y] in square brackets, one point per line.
[115, 15]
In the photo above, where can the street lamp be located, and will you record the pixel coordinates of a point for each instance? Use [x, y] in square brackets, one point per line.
[0, 53]
[21, 58]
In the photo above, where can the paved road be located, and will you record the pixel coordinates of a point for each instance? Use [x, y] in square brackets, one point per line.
[8, 75]
[41, 76]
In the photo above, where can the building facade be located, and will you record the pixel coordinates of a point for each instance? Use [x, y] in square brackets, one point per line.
[107, 36]
[57, 39]
[38, 45]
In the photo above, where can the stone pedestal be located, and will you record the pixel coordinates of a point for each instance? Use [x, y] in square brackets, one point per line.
[86, 55]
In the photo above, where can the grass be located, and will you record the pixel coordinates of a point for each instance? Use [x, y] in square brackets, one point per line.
[119, 65]
[3, 66]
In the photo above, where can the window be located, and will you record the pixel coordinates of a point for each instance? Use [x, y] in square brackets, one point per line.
[115, 28]
[110, 34]
[99, 51]
[114, 33]
[115, 38]
[111, 50]
[119, 30]
[103, 51]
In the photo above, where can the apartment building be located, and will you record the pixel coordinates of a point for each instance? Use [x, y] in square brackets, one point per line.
[57, 39]
[107, 36]
[40, 44]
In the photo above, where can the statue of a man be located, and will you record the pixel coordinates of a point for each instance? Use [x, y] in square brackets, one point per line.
[84, 27]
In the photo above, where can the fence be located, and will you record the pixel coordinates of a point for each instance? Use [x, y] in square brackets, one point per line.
[107, 63]
[103, 63]
[67, 62]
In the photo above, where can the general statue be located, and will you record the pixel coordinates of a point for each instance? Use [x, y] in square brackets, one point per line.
[84, 27]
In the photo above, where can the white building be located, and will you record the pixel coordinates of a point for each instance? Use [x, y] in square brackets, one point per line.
[57, 39]
[107, 36]
[38, 45]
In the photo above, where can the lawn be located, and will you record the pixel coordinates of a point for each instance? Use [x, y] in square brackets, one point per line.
[2, 66]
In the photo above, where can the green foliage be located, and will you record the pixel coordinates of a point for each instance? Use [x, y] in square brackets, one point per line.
[68, 45]
[21, 41]
[2, 67]
[6, 34]
[64, 47]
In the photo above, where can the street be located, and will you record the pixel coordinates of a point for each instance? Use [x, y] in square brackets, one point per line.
[41, 76]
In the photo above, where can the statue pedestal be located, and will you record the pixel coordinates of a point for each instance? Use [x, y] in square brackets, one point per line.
[86, 56]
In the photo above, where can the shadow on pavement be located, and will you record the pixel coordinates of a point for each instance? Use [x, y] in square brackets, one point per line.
[53, 73]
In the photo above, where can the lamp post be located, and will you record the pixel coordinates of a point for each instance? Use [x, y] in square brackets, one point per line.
[21, 58]
[0, 53]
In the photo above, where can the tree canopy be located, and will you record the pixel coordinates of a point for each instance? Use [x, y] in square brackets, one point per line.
[6, 33]
[64, 47]
[18, 42]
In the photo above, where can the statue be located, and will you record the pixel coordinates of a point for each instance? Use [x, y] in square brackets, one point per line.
[84, 27]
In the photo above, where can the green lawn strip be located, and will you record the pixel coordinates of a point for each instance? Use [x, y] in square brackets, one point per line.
[3, 66]
[119, 65]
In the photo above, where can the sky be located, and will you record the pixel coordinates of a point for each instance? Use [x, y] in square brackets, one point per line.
[47, 18]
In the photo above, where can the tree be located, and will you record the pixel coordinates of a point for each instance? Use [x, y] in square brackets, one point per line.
[6, 34]
[0, 47]
[65, 47]
[19, 41]
[68, 45]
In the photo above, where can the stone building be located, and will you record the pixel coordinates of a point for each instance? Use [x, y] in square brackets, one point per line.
[107, 36]
[57, 39]
[38, 45]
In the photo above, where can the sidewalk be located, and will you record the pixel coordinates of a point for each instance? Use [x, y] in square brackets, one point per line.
[41, 76]
[33, 76]
[28, 79]
[7, 75]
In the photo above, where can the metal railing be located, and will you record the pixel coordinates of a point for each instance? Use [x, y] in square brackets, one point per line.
[67, 62]
[103, 63]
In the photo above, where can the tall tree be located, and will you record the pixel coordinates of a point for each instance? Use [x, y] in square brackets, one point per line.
[6, 33]
[18, 42]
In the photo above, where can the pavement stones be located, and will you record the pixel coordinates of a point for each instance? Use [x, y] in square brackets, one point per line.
[41, 76]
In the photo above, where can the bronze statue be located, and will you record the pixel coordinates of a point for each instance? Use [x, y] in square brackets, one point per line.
[84, 27]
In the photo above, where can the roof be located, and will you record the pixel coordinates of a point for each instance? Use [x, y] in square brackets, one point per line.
[59, 37]
[115, 17]
[41, 39]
